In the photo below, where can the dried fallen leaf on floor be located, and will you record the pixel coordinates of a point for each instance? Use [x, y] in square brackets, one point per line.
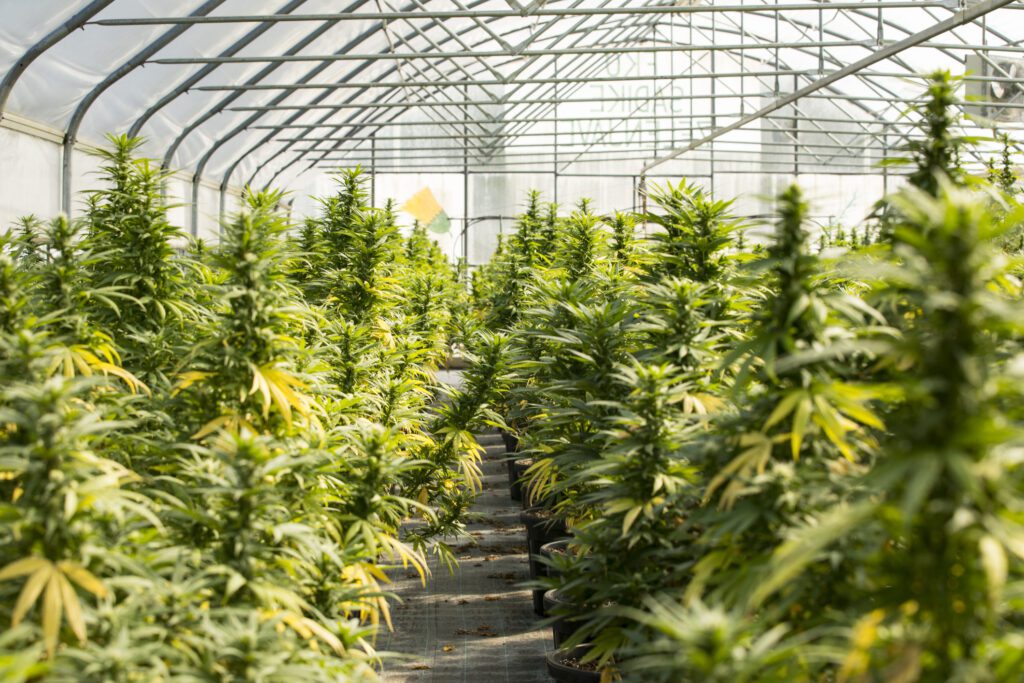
[448, 648]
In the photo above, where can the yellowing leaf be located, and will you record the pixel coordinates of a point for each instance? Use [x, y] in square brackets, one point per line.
[83, 578]
[630, 517]
[30, 592]
[799, 428]
[22, 567]
[72, 608]
[187, 379]
[784, 408]
[51, 612]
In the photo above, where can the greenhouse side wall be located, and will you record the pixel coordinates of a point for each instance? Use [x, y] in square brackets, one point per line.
[30, 180]
[31, 167]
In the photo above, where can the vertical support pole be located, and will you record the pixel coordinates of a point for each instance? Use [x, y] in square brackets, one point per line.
[555, 156]
[222, 210]
[194, 213]
[885, 158]
[373, 168]
[672, 70]
[465, 178]
[654, 89]
[65, 179]
[778, 90]
[821, 39]
[714, 105]
[796, 138]
[642, 191]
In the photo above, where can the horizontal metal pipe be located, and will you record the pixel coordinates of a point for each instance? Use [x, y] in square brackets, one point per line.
[588, 100]
[546, 52]
[650, 176]
[496, 167]
[569, 81]
[539, 12]
[695, 117]
[798, 147]
[787, 149]
[563, 134]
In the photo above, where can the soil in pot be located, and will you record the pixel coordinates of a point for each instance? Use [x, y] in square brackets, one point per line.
[566, 667]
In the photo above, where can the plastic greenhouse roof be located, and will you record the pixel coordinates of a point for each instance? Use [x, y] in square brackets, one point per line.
[265, 90]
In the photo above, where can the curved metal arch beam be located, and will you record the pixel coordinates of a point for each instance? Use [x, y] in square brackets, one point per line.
[724, 30]
[356, 126]
[320, 68]
[201, 164]
[260, 75]
[837, 62]
[71, 134]
[631, 21]
[767, 8]
[207, 69]
[340, 125]
[958, 19]
[268, 137]
[49, 40]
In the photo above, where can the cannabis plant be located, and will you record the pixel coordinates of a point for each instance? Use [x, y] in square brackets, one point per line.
[245, 374]
[639, 484]
[801, 425]
[696, 232]
[130, 238]
[66, 509]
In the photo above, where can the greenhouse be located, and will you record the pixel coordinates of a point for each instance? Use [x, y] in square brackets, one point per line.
[651, 341]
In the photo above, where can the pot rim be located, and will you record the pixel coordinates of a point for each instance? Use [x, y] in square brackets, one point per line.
[555, 658]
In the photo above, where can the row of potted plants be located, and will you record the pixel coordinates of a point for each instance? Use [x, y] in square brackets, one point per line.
[208, 453]
[775, 464]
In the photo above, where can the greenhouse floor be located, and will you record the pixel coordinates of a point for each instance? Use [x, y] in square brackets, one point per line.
[475, 624]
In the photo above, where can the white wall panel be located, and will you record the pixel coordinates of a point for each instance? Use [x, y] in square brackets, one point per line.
[29, 177]
[209, 214]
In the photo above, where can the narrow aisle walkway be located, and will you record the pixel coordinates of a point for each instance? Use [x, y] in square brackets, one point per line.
[473, 626]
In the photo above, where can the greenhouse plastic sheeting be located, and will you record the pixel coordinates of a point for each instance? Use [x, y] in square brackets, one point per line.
[573, 98]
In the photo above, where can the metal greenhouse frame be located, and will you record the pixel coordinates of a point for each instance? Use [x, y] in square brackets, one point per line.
[295, 87]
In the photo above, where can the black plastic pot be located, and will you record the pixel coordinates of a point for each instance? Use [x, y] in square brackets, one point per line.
[563, 673]
[563, 624]
[517, 470]
[548, 550]
[541, 527]
[511, 441]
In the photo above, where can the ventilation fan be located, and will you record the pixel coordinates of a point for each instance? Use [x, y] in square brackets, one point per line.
[988, 98]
